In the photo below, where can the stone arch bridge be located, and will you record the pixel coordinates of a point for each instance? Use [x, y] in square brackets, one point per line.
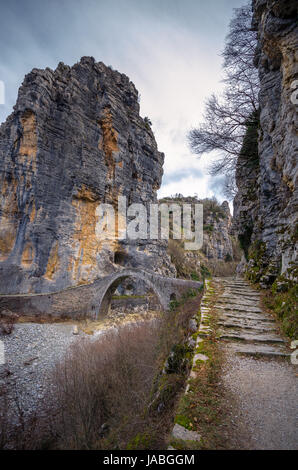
[93, 300]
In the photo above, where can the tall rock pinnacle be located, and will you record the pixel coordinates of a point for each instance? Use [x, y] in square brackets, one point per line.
[74, 140]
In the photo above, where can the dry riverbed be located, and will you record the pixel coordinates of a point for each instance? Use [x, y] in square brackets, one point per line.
[33, 349]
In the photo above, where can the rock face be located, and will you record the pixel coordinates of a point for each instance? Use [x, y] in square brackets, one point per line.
[265, 208]
[219, 242]
[218, 234]
[74, 140]
[217, 224]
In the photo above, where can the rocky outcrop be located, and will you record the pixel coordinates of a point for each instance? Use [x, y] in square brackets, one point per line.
[74, 140]
[265, 207]
[220, 246]
[218, 242]
[217, 226]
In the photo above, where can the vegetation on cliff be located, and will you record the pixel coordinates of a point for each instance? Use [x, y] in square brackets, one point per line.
[282, 299]
[220, 252]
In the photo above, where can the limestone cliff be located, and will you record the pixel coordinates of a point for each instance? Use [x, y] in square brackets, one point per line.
[265, 208]
[74, 140]
[219, 242]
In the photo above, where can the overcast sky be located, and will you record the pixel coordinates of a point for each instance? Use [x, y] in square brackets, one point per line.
[170, 49]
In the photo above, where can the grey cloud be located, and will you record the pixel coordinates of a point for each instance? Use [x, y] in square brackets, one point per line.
[216, 184]
[164, 46]
[179, 175]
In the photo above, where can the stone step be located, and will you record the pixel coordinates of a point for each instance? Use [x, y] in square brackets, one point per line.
[243, 287]
[237, 305]
[251, 338]
[240, 298]
[251, 315]
[244, 302]
[253, 326]
[237, 295]
[236, 308]
[244, 327]
[237, 285]
[243, 323]
[240, 289]
[258, 316]
[240, 286]
[260, 350]
[234, 302]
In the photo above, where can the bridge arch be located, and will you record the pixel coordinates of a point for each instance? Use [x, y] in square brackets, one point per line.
[115, 280]
[87, 300]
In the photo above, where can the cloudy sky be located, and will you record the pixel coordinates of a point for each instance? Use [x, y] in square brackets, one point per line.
[170, 49]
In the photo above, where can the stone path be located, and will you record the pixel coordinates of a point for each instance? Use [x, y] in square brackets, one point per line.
[243, 324]
[259, 380]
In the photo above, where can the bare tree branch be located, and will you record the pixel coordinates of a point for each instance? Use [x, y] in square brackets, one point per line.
[228, 118]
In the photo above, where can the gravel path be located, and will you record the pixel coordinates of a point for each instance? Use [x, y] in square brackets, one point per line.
[264, 413]
[259, 381]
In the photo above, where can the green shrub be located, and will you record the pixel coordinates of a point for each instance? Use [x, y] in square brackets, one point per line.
[283, 300]
[141, 441]
[147, 121]
[212, 207]
[174, 304]
[208, 228]
[228, 258]
[205, 272]
[190, 293]
[179, 359]
[258, 262]
[194, 276]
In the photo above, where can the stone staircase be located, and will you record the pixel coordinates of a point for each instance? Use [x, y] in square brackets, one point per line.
[244, 327]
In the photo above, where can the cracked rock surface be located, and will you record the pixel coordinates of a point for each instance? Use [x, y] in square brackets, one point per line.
[75, 140]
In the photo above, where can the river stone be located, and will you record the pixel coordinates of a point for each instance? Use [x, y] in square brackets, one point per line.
[75, 330]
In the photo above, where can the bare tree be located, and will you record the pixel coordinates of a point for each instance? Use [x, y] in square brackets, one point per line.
[227, 118]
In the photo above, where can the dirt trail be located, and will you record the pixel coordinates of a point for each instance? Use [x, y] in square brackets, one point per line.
[260, 383]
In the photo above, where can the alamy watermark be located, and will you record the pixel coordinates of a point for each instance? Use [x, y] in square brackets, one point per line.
[152, 222]
[2, 92]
